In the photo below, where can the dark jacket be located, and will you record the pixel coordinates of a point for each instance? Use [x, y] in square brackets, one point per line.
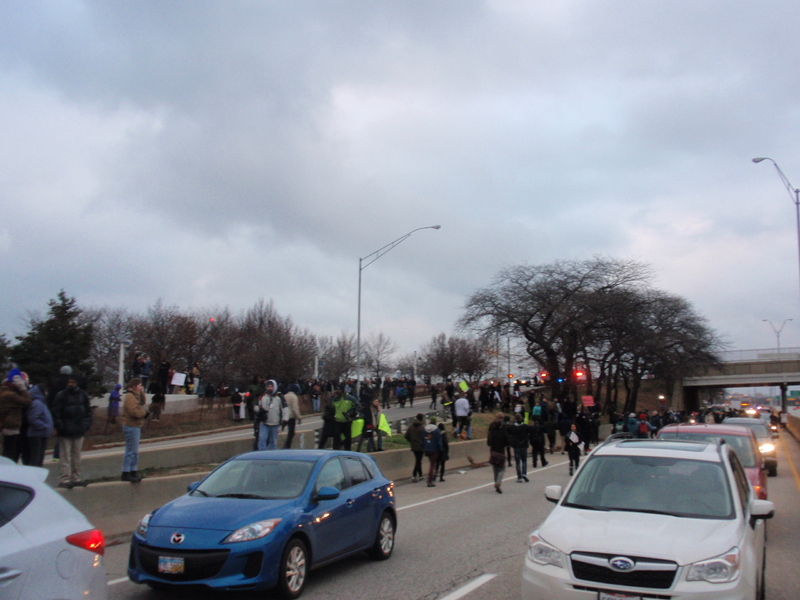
[536, 436]
[497, 437]
[72, 413]
[519, 434]
[414, 435]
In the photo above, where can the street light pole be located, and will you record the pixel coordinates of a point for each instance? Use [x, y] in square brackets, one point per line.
[793, 192]
[777, 332]
[363, 263]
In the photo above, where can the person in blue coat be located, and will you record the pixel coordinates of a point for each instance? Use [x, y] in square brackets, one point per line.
[40, 427]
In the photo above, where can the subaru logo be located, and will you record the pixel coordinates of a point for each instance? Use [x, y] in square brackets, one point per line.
[177, 538]
[621, 563]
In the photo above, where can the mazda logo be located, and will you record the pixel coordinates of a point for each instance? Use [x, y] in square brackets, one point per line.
[621, 563]
[177, 538]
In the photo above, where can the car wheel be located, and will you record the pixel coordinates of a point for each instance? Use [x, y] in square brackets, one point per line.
[773, 471]
[294, 568]
[384, 539]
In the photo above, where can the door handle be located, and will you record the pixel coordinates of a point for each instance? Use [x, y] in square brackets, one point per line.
[349, 502]
[8, 574]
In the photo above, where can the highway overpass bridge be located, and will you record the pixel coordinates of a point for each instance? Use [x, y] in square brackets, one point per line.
[746, 368]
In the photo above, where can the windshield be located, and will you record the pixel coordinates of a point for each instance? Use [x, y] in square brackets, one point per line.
[671, 486]
[257, 479]
[743, 445]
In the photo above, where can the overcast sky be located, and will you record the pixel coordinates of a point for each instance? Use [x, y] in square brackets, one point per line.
[215, 153]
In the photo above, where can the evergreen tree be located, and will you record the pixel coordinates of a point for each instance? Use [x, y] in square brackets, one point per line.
[64, 338]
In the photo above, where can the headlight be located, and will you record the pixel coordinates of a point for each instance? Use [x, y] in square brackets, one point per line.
[543, 553]
[253, 531]
[767, 447]
[144, 523]
[719, 569]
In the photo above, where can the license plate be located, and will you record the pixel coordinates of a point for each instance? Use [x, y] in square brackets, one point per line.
[170, 564]
[615, 596]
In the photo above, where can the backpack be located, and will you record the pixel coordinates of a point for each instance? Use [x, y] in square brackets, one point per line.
[643, 428]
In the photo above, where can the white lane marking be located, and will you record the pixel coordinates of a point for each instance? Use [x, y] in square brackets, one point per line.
[470, 489]
[116, 581]
[471, 586]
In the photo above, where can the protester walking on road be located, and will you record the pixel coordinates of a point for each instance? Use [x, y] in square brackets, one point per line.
[537, 443]
[414, 436]
[134, 414]
[497, 440]
[445, 455]
[433, 447]
[573, 443]
[72, 417]
[520, 436]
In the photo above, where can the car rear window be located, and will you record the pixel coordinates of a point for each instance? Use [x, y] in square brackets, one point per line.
[652, 484]
[13, 499]
[742, 444]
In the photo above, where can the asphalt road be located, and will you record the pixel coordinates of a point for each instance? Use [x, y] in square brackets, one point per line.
[461, 535]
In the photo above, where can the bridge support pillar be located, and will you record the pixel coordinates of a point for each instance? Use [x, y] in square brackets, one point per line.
[783, 397]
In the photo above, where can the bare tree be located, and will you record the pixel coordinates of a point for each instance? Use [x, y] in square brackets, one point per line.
[378, 351]
[340, 358]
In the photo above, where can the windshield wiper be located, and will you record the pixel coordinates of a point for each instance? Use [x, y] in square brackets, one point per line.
[199, 492]
[649, 511]
[249, 496]
[586, 506]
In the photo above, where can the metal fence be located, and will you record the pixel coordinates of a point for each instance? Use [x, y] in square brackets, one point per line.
[760, 354]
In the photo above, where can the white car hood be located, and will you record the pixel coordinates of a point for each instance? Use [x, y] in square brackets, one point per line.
[638, 534]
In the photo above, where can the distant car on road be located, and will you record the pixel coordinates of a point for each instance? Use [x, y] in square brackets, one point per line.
[765, 444]
[740, 438]
[265, 519]
[651, 519]
[47, 547]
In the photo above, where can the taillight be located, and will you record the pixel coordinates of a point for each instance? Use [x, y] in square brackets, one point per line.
[91, 540]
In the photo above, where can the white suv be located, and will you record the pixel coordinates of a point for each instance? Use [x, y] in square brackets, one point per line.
[646, 519]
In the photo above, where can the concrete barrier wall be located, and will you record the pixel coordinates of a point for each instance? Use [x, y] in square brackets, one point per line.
[793, 425]
[116, 507]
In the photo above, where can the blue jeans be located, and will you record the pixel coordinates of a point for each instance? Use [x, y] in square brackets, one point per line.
[130, 460]
[268, 436]
[315, 404]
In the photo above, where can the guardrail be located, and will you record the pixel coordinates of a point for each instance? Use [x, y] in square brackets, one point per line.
[760, 354]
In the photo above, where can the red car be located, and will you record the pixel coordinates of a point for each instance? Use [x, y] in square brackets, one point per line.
[740, 438]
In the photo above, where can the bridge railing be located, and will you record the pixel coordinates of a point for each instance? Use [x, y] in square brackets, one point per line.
[760, 354]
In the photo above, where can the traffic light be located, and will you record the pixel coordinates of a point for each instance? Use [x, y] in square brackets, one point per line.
[511, 376]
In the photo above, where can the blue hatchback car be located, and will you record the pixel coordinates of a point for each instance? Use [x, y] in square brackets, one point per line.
[265, 519]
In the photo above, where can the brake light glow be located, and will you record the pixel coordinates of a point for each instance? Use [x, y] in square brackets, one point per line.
[91, 540]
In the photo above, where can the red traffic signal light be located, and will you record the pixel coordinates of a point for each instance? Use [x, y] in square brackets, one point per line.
[511, 376]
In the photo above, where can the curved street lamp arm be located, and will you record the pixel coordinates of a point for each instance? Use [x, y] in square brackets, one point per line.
[793, 191]
[373, 256]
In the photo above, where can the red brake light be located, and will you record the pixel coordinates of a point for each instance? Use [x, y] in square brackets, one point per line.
[91, 540]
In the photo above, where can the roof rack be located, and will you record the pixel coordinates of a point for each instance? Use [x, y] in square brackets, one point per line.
[622, 435]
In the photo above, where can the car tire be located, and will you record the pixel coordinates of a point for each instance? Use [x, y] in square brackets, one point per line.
[772, 471]
[384, 538]
[293, 569]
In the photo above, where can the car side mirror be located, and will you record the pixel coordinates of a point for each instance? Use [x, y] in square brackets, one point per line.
[327, 492]
[192, 486]
[553, 493]
[761, 509]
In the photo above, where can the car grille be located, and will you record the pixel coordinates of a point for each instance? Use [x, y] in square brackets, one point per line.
[648, 572]
[197, 564]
